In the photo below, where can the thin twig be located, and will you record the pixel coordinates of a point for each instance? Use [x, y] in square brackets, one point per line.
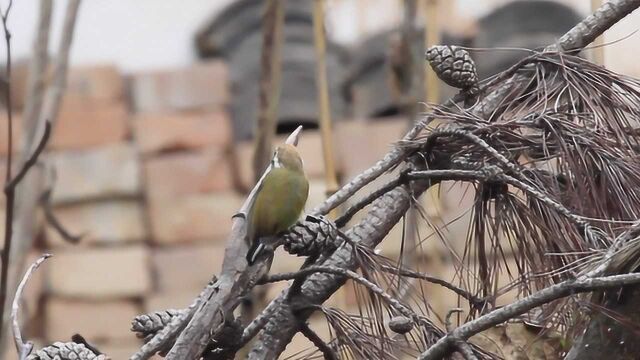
[544, 296]
[6, 251]
[28, 199]
[393, 302]
[257, 324]
[474, 300]
[327, 351]
[52, 219]
[31, 161]
[353, 209]
[24, 349]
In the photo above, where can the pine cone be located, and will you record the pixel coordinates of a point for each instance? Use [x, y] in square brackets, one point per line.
[66, 351]
[454, 66]
[313, 236]
[147, 325]
[400, 324]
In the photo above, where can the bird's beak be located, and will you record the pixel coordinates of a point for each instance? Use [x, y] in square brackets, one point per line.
[293, 138]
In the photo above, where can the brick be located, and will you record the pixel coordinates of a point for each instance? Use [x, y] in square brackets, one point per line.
[89, 123]
[202, 86]
[361, 144]
[104, 222]
[285, 262]
[173, 175]
[192, 218]
[186, 268]
[96, 321]
[18, 83]
[98, 82]
[169, 300]
[105, 273]
[616, 55]
[16, 145]
[309, 147]
[317, 193]
[179, 131]
[99, 173]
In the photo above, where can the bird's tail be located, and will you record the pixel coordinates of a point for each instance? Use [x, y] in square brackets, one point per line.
[257, 247]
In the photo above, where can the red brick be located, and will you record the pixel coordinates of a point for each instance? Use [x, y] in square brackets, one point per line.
[162, 132]
[172, 175]
[89, 123]
[200, 86]
[106, 273]
[187, 268]
[96, 321]
[103, 172]
[105, 222]
[99, 82]
[193, 218]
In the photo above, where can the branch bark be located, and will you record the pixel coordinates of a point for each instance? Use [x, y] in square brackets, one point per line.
[544, 296]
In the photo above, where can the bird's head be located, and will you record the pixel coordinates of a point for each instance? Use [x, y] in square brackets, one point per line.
[286, 155]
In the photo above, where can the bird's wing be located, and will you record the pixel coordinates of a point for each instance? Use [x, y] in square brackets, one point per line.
[251, 199]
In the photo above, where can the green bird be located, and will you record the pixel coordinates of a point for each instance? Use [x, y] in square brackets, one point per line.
[279, 199]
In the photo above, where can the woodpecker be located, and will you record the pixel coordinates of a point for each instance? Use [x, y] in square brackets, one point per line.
[279, 199]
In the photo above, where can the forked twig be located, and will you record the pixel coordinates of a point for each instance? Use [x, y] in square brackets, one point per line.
[23, 348]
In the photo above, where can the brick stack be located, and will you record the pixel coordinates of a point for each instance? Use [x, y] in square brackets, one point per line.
[144, 172]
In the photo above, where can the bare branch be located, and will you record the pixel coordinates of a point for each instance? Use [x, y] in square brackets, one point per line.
[37, 73]
[31, 161]
[6, 251]
[544, 296]
[474, 300]
[49, 214]
[24, 349]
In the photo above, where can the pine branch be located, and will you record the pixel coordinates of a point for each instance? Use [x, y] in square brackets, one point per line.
[282, 326]
[544, 296]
